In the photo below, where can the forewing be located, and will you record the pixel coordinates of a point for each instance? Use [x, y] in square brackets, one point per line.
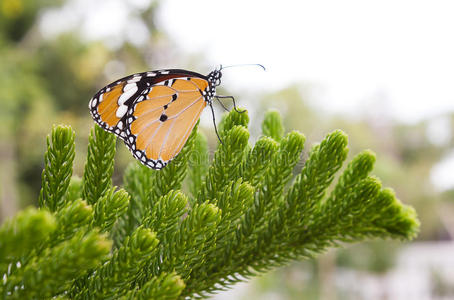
[158, 126]
[109, 106]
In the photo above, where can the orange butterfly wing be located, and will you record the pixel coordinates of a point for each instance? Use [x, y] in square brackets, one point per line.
[109, 106]
[154, 112]
[158, 126]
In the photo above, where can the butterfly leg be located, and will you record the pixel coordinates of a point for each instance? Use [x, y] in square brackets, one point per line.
[233, 100]
[222, 104]
[214, 122]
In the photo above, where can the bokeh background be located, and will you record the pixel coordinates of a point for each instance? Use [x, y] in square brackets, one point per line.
[382, 71]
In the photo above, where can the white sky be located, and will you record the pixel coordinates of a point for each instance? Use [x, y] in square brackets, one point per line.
[350, 50]
[354, 54]
[441, 174]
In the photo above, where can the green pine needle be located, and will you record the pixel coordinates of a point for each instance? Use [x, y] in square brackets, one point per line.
[23, 233]
[58, 167]
[166, 286]
[165, 235]
[52, 271]
[112, 205]
[198, 164]
[71, 218]
[272, 125]
[115, 277]
[99, 166]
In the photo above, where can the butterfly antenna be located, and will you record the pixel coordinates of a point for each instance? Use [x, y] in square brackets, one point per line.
[214, 122]
[241, 65]
[234, 103]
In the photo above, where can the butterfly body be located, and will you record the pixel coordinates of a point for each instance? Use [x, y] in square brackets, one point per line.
[154, 112]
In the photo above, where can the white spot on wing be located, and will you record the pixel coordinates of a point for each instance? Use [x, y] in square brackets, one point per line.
[129, 86]
[132, 80]
[129, 90]
[121, 110]
[94, 101]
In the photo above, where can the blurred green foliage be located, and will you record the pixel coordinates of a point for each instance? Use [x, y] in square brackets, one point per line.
[44, 81]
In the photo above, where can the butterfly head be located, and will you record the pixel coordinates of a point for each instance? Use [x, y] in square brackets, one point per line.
[214, 78]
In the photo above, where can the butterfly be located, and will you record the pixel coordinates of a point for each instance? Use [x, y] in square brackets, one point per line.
[154, 112]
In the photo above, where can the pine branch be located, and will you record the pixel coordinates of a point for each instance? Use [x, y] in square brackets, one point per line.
[259, 160]
[236, 199]
[112, 205]
[99, 166]
[164, 220]
[138, 181]
[52, 271]
[58, 161]
[24, 233]
[166, 215]
[398, 221]
[198, 164]
[318, 173]
[114, 278]
[70, 219]
[74, 189]
[229, 121]
[358, 169]
[226, 164]
[167, 286]
[272, 125]
[249, 212]
[195, 234]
